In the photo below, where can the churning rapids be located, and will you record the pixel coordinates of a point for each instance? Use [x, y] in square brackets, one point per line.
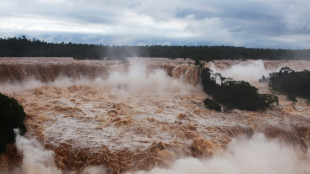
[147, 116]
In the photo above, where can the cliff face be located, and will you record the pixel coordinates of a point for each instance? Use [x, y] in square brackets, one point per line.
[137, 115]
[16, 70]
[272, 65]
[48, 69]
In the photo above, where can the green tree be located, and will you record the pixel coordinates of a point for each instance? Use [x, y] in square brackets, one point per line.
[234, 94]
[293, 84]
[12, 116]
[212, 104]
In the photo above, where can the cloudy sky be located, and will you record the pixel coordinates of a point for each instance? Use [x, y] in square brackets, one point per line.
[250, 23]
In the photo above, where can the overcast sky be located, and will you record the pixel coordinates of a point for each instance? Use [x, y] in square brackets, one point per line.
[250, 23]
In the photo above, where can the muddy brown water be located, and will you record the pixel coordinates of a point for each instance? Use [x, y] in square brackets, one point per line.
[78, 109]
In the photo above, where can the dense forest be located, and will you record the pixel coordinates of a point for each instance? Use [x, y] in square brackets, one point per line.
[293, 84]
[24, 47]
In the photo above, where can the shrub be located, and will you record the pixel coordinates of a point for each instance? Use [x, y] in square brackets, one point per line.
[234, 94]
[212, 104]
[263, 80]
[293, 84]
[12, 116]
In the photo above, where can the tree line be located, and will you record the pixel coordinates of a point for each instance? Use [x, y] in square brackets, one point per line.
[24, 47]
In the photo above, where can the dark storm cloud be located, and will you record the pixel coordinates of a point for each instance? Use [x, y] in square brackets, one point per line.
[252, 23]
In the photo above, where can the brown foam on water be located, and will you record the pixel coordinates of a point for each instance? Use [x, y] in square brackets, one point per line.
[138, 117]
[255, 154]
[244, 155]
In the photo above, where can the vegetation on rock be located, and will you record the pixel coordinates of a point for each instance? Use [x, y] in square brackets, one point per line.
[293, 84]
[212, 104]
[12, 116]
[234, 94]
